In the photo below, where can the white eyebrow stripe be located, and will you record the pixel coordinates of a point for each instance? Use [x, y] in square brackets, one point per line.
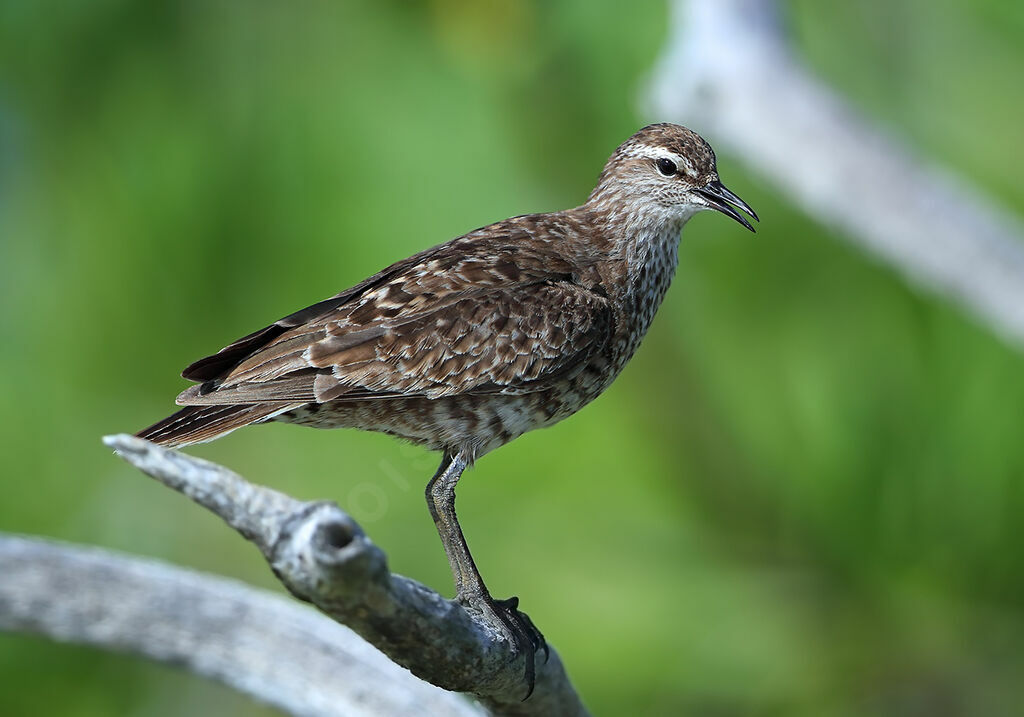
[663, 153]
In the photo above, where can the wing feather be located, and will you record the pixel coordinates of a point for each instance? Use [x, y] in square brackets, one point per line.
[466, 317]
[509, 342]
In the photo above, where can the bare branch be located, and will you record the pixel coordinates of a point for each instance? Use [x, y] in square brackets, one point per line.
[323, 557]
[261, 644]
[727, 71]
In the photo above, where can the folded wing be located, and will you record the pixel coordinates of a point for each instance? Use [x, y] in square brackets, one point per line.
[445, 323]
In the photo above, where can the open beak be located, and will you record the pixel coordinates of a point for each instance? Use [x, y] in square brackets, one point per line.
[720, 198]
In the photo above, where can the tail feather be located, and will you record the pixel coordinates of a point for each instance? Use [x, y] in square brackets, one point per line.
[199, 424]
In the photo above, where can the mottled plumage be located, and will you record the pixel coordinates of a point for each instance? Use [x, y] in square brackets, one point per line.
[465, 346]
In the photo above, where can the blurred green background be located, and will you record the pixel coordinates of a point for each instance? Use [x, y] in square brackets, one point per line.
[803, 497]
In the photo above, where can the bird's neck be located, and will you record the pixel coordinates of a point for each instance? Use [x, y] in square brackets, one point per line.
[651, 254]
[642, 240]
[642, 251]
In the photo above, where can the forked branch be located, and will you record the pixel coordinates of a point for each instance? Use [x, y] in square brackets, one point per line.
[323, 557]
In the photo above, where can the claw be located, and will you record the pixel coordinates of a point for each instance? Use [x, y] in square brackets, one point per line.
[525, 636]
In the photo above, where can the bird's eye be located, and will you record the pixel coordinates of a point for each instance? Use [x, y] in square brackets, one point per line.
[666, 167]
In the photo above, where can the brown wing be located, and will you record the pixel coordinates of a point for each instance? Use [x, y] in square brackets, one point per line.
[499, 341]
[465, 317]
[214, 366]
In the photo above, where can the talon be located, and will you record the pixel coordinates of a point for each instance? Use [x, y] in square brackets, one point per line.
[526, 638]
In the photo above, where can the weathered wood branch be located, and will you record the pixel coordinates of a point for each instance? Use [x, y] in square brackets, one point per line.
[261, 644]
[321, 556]
[728, 71]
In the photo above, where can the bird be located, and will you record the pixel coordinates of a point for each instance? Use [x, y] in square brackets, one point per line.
[468, 345]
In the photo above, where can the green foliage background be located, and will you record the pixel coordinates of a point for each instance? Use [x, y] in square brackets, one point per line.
[803, 497]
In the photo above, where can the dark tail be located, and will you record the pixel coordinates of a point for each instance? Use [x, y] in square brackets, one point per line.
[198, 424]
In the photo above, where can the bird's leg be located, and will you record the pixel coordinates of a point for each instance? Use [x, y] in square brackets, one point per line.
[469, 586]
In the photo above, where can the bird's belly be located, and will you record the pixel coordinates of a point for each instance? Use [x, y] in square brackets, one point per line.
[481, 422]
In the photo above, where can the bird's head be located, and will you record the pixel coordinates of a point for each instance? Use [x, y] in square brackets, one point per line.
[665, 171]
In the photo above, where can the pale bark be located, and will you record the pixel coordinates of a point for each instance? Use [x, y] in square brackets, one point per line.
[277, 651]
[259, 643]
